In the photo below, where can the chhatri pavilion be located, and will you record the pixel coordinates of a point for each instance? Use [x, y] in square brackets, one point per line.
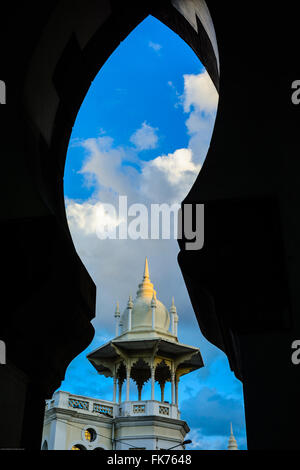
[145, 349]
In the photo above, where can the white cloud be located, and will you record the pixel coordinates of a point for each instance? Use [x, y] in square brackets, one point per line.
[91, 218]
[175, 165]
[145, 137]
[168, 178]
[155, 46]
[103, 170]
[199, 93]
[200, 100]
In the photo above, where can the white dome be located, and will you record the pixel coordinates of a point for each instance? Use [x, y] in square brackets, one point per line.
[141, 315]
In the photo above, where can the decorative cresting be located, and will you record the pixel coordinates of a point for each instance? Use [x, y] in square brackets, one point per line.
[146, 312]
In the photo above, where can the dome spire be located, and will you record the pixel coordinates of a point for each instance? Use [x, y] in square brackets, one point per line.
[146, 269]
[146, 287]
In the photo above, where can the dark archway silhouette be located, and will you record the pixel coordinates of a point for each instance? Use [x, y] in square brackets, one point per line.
[243, 285]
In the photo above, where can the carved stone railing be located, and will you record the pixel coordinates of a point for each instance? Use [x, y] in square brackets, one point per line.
[148, 408]
[81, 403]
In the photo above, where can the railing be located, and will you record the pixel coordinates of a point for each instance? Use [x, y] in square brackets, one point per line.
[148, 408]
[109, 409]
[139, 408]
[103, 409]
[164, 410]
[84, 404]
[79, 404]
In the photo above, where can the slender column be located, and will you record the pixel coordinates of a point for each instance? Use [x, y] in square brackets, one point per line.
[152, 382]
[127, 383]
[173, 387]
[140, 392]
[176, 390]
[115, 389]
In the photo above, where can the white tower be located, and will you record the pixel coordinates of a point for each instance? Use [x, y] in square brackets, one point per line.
[146, 350]
[232, 444]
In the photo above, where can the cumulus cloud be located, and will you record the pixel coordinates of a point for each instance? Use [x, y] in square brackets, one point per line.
[145, 137]
[209, 414]
[93, 218]
[102, 167]
[212, 415]
[199, 100]
[165, 179]
[168, 178]
[199, 93]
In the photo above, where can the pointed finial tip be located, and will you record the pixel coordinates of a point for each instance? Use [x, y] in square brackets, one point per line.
[146, 270]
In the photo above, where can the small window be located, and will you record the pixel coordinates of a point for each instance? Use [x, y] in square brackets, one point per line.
[90, 434]
[78, 447]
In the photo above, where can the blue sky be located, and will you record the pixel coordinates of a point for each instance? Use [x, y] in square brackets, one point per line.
[143, 131]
